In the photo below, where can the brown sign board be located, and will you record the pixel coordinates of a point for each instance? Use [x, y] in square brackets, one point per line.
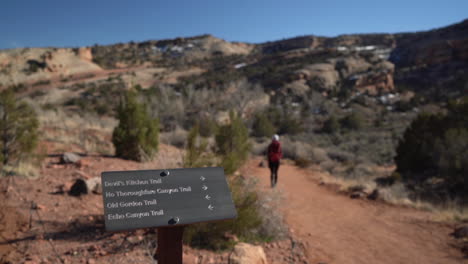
[157, 198]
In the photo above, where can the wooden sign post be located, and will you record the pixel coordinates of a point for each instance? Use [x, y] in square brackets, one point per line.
[167, 199]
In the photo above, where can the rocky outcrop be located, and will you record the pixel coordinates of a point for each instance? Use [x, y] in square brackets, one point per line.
[321, 75]
[244, 253]
[355, 72]
[32, 65]
[85, 53]
[374, 83]
[291, 44]
[433, 61]
[434, 47]
[351, 65]
[385, 40]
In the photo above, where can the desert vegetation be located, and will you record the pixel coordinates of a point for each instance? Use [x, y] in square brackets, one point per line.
[18, 129]
[358, 119]
[432, 155]
[137, 135]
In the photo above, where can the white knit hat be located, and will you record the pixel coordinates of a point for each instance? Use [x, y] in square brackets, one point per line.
[275, 137]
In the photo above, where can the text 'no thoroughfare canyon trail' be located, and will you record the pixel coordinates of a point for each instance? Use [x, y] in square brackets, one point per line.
[337, 229]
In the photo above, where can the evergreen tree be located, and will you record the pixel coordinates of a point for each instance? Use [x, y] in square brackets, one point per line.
[137, 135]
[232, 141]
[436, 146]
[262, 126]
[354, 121]
[18, 128]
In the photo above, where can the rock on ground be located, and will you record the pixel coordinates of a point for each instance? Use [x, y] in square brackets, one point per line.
[244, 253]
[70, 158]
[461, 232]
[85, 186]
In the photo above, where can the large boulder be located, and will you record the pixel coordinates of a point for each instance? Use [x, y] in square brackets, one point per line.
[244, 253]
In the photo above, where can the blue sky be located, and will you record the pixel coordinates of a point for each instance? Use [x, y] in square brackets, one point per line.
[64, 23]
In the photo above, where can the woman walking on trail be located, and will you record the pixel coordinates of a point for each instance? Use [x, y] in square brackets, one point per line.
[274, 156]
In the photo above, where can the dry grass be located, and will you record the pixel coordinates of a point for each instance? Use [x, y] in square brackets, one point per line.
[268, 206]
[259, 147]
[397, 194]
[177, 138]
[449, 214]
[24, 169]
[73, 132]
[347, 184]
[167, 157]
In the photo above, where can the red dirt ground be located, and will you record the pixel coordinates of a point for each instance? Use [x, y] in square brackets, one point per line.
[337, 229]
[38, 226]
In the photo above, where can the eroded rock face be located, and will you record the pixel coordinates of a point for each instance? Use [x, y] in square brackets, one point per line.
[31, 65]
[432, 52]
[85, 53]
[351, 65]
[433, 60]
[291, 44]
[359, 74]
[244, 253]
[321, 76]
[375, 82]
[433, 47]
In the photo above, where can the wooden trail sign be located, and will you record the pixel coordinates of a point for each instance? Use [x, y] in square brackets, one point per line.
[165, 198]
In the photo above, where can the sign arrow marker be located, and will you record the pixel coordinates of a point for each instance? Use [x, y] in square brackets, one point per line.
[204, 187]
[207, 197]
[202, 178]
[210, 207]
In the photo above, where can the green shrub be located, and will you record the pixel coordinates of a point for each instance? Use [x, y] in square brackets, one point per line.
[137, 135]
[354, 121]
[196, 154]
[262, 126]
[207, 127]
[216, 236]
[436, 147]
[290, 125]
[232, 141]
[283, 120]
[331, 126]
[18, 127]
[302, 162]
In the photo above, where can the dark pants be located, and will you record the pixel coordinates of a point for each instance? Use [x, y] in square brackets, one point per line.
[274, 166]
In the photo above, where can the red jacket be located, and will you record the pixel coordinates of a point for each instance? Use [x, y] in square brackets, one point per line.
[274, 151]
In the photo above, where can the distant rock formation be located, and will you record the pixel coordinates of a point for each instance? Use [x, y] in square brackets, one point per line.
[28, 65]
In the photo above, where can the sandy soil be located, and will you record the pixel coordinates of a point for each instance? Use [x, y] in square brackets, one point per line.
[337, 229]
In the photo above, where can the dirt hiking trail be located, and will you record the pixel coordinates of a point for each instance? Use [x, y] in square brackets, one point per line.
[337, 229]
